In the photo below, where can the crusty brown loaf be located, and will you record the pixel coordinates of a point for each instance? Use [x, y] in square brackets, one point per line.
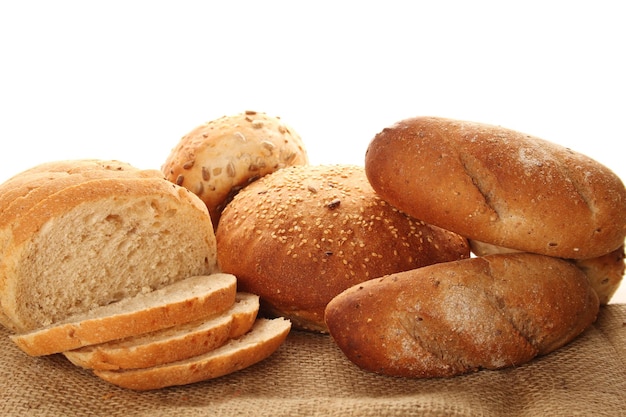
[220, 157]
[605, 273]
[499, 186]
[303, 234]
[452, 318]
[122, 233]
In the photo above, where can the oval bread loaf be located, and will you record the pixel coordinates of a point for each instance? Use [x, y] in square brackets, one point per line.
[453, 318]
[122, 232]
[605, 273]
[499, 186]
[217, 159]
[301, 235]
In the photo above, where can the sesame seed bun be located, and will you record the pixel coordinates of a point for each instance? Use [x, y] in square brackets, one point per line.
[303, 234]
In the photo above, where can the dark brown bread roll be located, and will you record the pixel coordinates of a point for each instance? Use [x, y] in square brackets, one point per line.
[499, 186]
[301, 235]
[453, 318]
[605, 273]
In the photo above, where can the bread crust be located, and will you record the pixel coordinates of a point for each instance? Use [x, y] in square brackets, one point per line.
[499, 186]
[217, 159]
[448, 319]
[303, 234]
[262, 341]
[605, 273]
[187, 300]
[89, 194]
[171, 344]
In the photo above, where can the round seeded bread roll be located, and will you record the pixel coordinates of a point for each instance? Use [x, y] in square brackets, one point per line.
[217, 159]
[303, 234]
[83, 234]
[442, 320]
[499, 186]
[605, 273]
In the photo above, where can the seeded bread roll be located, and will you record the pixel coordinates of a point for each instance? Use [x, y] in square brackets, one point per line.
[217, 159]
[499, 186]
[605, 273]
[303, 234]
[452, 318]
[121, 234]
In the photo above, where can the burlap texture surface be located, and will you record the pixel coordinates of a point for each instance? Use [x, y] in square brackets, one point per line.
[309, 376]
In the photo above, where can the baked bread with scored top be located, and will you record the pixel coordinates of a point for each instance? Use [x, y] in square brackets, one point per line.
[124, 231]
[448, 319]
[499, 186]
[301, 235]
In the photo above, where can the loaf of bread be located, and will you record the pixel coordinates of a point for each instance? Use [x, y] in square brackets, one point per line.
[605, 273]
[82, 234]
[452, 318]
[301, 235]
[499, 186]
[218, 158]
[263, 340]
[186, 300]
[173, 343]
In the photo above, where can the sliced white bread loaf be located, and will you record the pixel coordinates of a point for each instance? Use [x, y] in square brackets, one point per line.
[264, 339]
[104, 235]
[171, 344]
[181, 302]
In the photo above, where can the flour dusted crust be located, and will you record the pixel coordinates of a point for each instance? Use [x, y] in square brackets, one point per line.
[217, 159]
[303, 234]
[499, 186]
[448, 319]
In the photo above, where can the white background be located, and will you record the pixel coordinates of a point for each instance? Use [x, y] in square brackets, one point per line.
[126, 79]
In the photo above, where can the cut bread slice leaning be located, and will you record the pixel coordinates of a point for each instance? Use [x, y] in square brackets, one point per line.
[171, 344]
[190, 299]
[259, 343]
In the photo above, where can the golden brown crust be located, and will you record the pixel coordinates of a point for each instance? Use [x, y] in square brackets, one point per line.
[133, 316]
[499, 186]
[605, 273]
[217, 159]
[171, 344]
[263, 340]
[303, 234]
[448, 319]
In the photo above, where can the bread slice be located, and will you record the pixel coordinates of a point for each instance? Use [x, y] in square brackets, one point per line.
[264, 339]
[99, 241]
[172, 344]
[181, 302]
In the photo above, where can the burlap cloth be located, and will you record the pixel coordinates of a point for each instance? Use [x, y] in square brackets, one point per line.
[309, 376]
